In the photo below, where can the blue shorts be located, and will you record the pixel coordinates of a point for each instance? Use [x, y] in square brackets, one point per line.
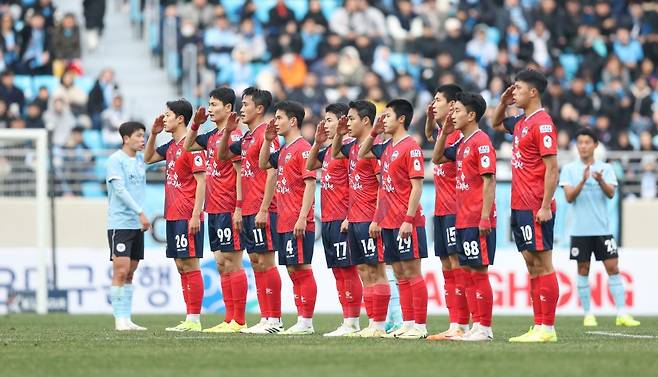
[335, 245]
[530, 235]
[180, 243]
[222, 234]
[445, 236]
[259, 240]
[296, 251]
[397, 249]
[364, 249]
[474, 250]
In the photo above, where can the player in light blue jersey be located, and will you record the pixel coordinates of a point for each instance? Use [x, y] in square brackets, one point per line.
[588, 185]
[126, 222]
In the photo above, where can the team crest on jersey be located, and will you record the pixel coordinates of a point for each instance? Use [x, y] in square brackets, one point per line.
[325, 165]
[485, 161]
[524, 131]
[305, 154]
[548, 141]
[545, 129]
[575, 251]
[394, 155]
[178, 153]
[288, 157]
[467, 151]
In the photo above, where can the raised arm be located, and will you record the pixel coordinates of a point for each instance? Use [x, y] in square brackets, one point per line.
[608, 188]
[313, 163]
[506, 99]
[264, 155]
[430, 122]
[224, 153]
[150, 154]
[190, 140]
[337, 143]
[572, 192]
[438, 156]
[365, 149]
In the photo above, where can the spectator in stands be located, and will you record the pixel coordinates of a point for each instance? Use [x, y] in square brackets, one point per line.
[327, 70]
[43, 7]
[315, 13]
[614, 70]
[60, 120]
[75, 97]
[278, 17]
[36, 47]
[4, 116]
[94, 13]
[288, 41]
[622, 142]
[206, 79]
[43, 98]
[627, 48]
[540, 37]
[427, 43]
[77, 162]
[219, 41]
[382, 64]
[66, 43]
[578, 98]
[292, 70]
[34, 116]
[350, 68]
[12, 95]
[239, 74]
[480, 47]
[311, 95]
[9, 41]
[357, 18]
[403, 24]
[311, 35]
[101, 95]
[455, 41]
[199, 12]
[471, 74]
[112, 118]
[646, 142]
[251, 39]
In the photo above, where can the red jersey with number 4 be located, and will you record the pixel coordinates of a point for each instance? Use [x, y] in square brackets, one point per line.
[363, 184]
[180, 187]
[535, 136]
[253, 178]
[475, 156]
[334, 192]
[400, 163]
[220, 175]
[444, 183]
[290, 162]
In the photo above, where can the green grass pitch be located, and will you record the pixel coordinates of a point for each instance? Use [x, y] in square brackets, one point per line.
[65, 345]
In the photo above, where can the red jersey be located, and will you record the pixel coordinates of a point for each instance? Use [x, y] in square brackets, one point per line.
[400, 163]
[535, 136]
[180, 187]
[253, 178]
[290, 162]
[334, 195]
[220, 175]
[475, 156]
[444, 183]
[363, 184]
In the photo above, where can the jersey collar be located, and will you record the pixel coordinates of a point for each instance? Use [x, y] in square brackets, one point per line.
[473, 134]
[293, 142]
[399, 141]
[535, 112]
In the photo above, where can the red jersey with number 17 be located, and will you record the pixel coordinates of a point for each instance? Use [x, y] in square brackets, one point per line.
[180, 186]
[363, 184]
[444, 183]
[290, 162]
[334, 194]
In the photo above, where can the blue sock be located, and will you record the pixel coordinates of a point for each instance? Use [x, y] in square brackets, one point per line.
[584, 292]
[116, 296]
[618, 294]
[394, 312]
[127, 300]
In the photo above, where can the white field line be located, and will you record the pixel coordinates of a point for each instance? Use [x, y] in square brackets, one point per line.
[621, 335]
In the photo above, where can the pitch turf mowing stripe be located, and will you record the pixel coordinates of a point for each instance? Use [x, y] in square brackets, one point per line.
[610, 333]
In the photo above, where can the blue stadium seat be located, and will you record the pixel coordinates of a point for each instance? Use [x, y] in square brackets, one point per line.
[570, 63]
[50, 82]
[398, 61]
[329, 6]
[300, 8]
[100, 168]
[232, 8]
[263, 9]
[93, 139]
[92, 190]
[24, 83]
[85, 83]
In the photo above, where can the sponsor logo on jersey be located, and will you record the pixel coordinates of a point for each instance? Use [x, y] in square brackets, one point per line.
[483, 149]
[415, 153]
[545, 129]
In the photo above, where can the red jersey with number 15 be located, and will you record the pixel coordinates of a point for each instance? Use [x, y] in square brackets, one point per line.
[180, 186]
[363, 184]
[290, 162]
[444, 183]
[334, 188]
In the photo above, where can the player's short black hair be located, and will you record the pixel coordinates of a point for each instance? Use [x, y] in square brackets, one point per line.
[587, 132]
[338, 109]
[402, 107]
[225, 95]
[533, 78]
[292, 109]
[181, 107]
[259, 96]
[129, 128]
[364, 109]
[449, 91]
[473, 102]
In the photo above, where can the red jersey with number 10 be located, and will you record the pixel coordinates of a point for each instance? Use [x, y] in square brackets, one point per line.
[444, 183]
[180, 186]
[334, 188]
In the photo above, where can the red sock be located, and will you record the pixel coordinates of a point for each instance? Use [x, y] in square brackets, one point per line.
[195, 284]
[470, 296]
[184, 288]
[419, 293]
[550, 290]
[297, 291]
[227, 293]
[260, 293]
[368, 300]
[449, 294]
[309, 292]
[484, 297]
[461, 304]
[340, 288]
[406, 299]
[273, 292]
[382, 296]
[353, 291]
[536, 302]
[240, 286]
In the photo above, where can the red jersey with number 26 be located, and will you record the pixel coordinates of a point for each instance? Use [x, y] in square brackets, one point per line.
[400, 163]
[180, 187]
[444, 183]
[475, 156]
[535, 136]
[334, 193]
[290, 162]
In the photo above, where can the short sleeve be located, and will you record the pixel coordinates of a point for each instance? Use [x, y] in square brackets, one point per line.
[236, 136]
[510, 122]
[306, 174]
[565, 176]
[236, 147]
[322, 153]
[378, 149]
[451, 152]
[486, 158]
[415, 163]
[197, 161]
[345, 149]
[162, 150]
[274, 159]
[114, 170]
[546, 139]
[609, 175]
[202, 140]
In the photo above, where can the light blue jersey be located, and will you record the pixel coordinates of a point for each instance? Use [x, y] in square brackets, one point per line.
[589, 212]
[126, 187]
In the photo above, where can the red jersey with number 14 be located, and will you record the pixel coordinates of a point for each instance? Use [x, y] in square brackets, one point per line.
[180, 187]
[363, 184]
[334, 188]
[290, 162]
[444, 183]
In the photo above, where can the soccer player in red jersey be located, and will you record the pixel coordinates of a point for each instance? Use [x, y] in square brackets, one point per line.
[185, 190]
[335, 201]
[222, 191]
[295, 194]
[475, 198]
[534, 180]
[363, 232]
[445, 214]
[258, 208]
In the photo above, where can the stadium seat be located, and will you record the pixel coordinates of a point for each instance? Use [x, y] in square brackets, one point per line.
[85, 83]
[329, 6]
[232, 8]
[24, 83]
[570, 63]
[92, 190]
[263, 9]
[300, 8]
[93, 139]
[50, 82]
[101, 167]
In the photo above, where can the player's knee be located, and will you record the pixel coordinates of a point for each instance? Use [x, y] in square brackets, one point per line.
[120, 274]
[612, 268]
